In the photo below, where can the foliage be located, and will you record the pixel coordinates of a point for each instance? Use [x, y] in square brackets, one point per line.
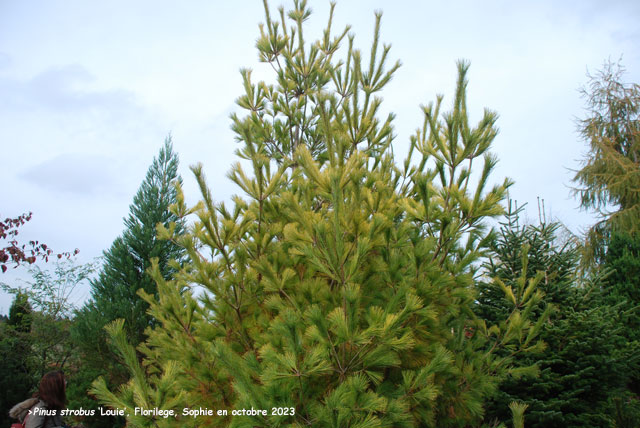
[20, 313]
[341, 286]
[16, 378]
[610, 174]
[622, 289]
[626, 410]
[522, 253]
[114, 293]
[50, 291]
[35, 339]
[622, 259]
[50, 294]
[586, 359]
[14, 253]
[610, 183]
[517, 410]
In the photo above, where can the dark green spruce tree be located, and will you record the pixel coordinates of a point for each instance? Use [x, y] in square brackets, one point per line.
[114, 293]
[622, 289]
[586, 359]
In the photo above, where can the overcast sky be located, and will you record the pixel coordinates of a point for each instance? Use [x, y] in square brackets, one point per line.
[89, 90]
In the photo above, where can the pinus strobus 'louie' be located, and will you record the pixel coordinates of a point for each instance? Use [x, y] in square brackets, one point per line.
[338, 290]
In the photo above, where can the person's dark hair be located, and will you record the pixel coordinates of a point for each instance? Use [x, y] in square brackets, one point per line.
[52, 390]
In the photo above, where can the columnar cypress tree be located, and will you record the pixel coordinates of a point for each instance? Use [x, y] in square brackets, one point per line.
[339, 291]
[114, 293]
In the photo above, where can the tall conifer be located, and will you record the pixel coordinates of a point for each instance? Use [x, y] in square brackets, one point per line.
[586, 361]
[609, 181]
[114, 293]
[338, 290]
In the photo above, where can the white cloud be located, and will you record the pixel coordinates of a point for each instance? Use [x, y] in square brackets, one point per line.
[62, 89]
[75, 173]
